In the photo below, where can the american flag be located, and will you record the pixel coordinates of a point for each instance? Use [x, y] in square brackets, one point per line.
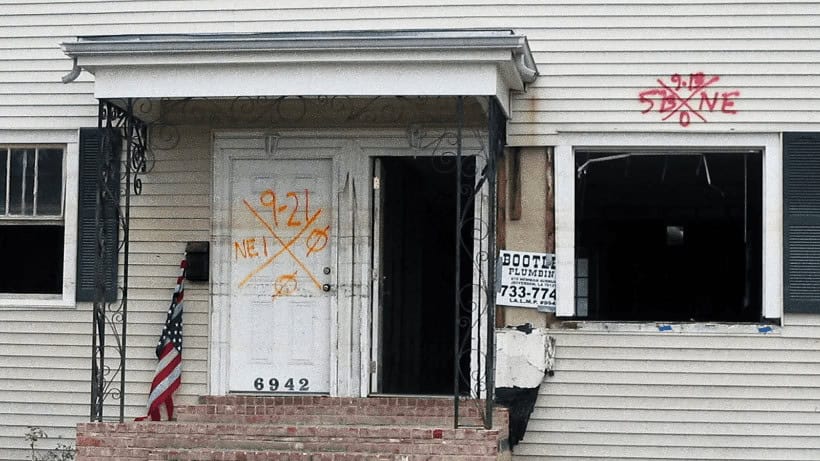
[167, 377]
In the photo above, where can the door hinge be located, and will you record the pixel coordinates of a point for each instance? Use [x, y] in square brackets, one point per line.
[376, 183]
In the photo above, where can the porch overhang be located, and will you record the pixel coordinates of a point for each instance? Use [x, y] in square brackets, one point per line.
[366, 63]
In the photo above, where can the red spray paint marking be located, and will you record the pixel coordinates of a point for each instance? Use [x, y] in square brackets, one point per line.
[687, 97]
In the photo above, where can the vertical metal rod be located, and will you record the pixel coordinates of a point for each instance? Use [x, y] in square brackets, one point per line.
[98, 341]
[93, 403]
[457, 303]
[129, 148]
[24, 155]
[36, 189]
[8, 181]
[494, 146]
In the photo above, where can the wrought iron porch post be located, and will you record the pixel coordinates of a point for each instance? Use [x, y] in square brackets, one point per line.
[110, 317]
[483, 256]
[129, 150]
[457, 300]
[496, 130]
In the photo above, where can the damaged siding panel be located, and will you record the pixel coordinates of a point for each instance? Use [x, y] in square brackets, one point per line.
[673, 396]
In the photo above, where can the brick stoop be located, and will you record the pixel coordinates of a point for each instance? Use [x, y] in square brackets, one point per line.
[250, 428]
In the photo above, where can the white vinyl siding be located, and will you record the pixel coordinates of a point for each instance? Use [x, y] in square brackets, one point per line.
[594, 56]
[611, 393]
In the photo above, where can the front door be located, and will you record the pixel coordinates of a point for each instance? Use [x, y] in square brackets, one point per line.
[280, 275]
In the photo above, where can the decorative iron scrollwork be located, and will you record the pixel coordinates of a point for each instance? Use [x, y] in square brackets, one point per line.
[471, 153]
[114, 191]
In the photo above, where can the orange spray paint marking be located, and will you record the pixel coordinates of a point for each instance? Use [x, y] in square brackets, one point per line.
[285, 246]
[292, 222]
[268, 200]
[284, 285]
[250, 246]
[307, 203]
[246, 248]
[239, 249]
[316, 241]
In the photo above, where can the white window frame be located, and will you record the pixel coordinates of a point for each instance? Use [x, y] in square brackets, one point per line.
[769, 144]
[68, 141]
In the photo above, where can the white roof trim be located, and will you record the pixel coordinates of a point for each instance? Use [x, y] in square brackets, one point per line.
[367, 63]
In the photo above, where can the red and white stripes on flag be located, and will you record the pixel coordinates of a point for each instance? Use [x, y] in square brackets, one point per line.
[169, 352]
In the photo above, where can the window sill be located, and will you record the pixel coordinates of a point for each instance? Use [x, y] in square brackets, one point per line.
[29, 301]
[693, 328]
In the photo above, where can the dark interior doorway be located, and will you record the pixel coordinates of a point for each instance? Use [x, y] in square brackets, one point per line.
[669, 237]
[417, 283]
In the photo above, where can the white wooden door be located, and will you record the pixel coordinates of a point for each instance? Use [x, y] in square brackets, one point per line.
[280, 275]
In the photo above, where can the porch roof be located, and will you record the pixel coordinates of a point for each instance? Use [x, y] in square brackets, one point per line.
[361, 63]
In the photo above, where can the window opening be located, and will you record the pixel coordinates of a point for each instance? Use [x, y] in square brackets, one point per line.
[418, 209]
[31, 219]
[669, 237]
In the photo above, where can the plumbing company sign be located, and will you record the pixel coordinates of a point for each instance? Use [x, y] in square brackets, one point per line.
[526, 280]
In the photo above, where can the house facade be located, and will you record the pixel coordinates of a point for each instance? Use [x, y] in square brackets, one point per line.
[664, 153]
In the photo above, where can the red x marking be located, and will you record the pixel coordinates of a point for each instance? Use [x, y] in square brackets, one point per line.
[685, 101]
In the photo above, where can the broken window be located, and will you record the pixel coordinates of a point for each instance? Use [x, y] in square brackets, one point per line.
[31, 219]
[668, 236]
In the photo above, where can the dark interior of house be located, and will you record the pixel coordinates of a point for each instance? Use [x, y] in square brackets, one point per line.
[418, 285]
[37, 251]
[669, 237]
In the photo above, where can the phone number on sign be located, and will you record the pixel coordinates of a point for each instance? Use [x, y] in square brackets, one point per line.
[514, 292]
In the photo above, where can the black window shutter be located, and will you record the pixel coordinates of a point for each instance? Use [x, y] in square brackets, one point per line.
[97, 143]
[801, 222]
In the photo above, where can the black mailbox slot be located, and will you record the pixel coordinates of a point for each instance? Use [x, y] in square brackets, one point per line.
[196, 253]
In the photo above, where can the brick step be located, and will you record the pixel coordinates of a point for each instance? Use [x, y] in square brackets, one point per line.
[333, 420]
[169, 431]
[206, 454]
[109, 437]
[469, 410]
[240, 427]
[323, 400]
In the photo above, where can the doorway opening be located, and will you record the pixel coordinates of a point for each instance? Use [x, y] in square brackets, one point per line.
[416, 218]
[669, 237]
